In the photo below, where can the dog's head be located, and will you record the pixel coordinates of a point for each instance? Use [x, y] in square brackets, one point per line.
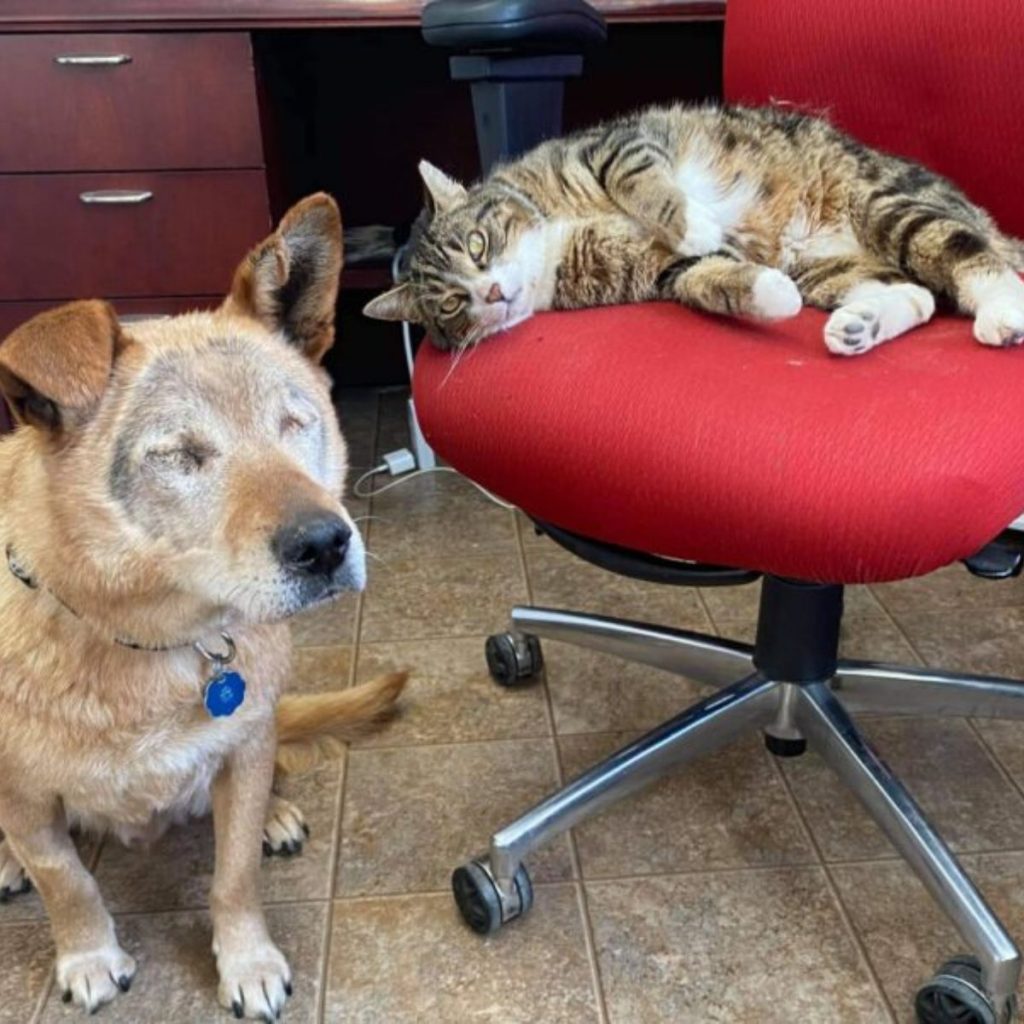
[187, 473]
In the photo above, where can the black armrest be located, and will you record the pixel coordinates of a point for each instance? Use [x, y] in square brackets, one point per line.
[534, 25]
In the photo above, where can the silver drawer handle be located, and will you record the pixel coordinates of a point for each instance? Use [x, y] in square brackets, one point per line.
[117, 196]
[93, 60]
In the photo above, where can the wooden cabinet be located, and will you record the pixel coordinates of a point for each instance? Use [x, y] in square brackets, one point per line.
[131, 169]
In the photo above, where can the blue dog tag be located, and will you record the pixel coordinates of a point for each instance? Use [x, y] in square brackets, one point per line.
[224, 694]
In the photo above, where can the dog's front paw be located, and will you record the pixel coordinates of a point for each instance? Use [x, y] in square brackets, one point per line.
[285, 829]
[93, 977]
[255, 980]
[13, 880]
[1000, 323]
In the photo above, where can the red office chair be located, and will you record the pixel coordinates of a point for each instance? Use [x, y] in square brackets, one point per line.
[663, 444]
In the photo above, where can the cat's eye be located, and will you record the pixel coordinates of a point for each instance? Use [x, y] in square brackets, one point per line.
[451, 305]
[476, 245]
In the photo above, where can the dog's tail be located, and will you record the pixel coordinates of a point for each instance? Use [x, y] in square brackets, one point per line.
[313, 727]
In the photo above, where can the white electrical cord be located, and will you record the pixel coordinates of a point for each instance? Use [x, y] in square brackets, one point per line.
[385, 467]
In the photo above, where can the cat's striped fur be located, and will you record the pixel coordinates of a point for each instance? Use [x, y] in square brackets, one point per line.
[741, 211]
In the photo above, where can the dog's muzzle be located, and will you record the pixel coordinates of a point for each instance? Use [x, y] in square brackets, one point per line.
[322, 553]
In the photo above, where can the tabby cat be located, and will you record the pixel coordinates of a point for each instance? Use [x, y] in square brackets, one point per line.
[735, 210]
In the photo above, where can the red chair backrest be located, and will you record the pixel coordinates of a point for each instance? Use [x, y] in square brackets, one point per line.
[938, 81]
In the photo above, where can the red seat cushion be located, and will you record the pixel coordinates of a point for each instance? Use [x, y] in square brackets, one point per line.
[691, 436]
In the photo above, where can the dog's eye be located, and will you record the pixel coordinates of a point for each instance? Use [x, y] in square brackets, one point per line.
[293, 424]
[451, 305]
[476, 245]
[184, 459]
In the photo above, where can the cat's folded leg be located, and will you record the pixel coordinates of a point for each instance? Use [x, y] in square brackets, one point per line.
[639, 181]
[720, 283]
[962, 257]
[870, 303]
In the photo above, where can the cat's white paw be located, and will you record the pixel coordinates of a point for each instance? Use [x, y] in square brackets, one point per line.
[13, 880]
[285, 829]
[874, 313]
[92, 978]
[775, 296]
[703, 233]
[1000, 323]
[853, 329]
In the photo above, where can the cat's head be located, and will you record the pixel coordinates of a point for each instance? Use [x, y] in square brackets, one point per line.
[475, 266]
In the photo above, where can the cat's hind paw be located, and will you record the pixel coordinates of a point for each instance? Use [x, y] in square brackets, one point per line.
[1000, 323]
[853, 329]
[775, 296]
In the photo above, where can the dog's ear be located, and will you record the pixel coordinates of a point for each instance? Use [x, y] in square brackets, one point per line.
[396, 304]
[289, 282]
[55, 368]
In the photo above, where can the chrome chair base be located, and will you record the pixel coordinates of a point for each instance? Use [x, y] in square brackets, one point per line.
[814, 710]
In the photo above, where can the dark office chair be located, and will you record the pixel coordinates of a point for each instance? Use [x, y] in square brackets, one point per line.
[667, 445]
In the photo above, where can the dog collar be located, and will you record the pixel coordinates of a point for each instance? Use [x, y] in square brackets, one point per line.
[224, 689]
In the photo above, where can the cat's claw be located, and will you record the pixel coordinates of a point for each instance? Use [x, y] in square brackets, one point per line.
[775, 296]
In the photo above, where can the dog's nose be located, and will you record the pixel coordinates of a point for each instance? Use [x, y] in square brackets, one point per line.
[314, 546]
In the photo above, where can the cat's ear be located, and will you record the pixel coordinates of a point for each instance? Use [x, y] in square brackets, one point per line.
[397, 304]
[442, 192]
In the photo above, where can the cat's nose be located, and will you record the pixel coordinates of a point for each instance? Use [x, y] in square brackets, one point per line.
[495, 294]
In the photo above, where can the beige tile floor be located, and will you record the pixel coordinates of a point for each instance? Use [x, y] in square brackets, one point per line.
[743, 890]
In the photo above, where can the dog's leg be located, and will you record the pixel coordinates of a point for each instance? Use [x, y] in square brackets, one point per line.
[91, 967]
[285, 829]
[255, 978]
[13, 880]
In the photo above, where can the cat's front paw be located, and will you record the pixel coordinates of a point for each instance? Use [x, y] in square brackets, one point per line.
[775, 296]
[93, 977]
[1000, 323]
[703, 233]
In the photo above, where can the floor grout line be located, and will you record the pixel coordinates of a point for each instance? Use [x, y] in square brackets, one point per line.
[339, 807]
[830, 882]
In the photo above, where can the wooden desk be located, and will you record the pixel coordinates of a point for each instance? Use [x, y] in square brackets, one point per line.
[116, 15]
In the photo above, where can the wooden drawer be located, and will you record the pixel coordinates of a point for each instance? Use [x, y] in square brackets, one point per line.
[176, 100]
[184, 239]
[14, 314]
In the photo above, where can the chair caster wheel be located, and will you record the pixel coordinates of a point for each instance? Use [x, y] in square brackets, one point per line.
[956, 996]
[480, 901]
[513, 658]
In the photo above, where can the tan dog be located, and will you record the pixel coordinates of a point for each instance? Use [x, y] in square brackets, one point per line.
[175, 485]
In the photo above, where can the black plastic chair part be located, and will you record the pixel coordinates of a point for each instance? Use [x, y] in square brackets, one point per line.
[516, 55]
